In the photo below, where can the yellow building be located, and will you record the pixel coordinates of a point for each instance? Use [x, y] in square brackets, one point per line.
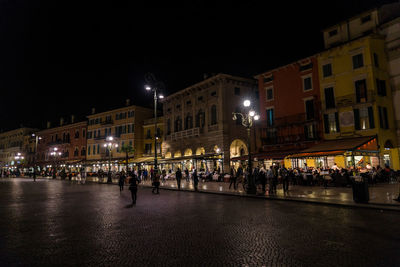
[356, 100]
[124, 125]
[147, 159]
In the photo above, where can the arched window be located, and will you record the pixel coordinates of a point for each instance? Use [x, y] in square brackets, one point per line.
[168, 126]
[200, 118]
[76, 152]
[178, 124]
[213, 114]
[188, 121]
[83, 151]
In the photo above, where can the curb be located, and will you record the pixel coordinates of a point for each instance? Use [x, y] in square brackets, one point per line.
[376, 206]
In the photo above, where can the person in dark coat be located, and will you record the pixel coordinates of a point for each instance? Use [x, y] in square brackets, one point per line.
[121, 181]
[195, 180]
[156, 183]
[262, 178]
[178, 176]
[34, 175]
[133, 186]
[187, 175]
[70, 176]
[232, 179]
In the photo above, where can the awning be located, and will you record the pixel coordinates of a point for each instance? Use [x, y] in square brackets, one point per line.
[339, 147]
[275, 154]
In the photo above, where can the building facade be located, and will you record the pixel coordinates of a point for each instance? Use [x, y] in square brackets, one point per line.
[11, 143]
[199, 130]
[356, 99]
[68, 141]
[290, 111]
[125, 126]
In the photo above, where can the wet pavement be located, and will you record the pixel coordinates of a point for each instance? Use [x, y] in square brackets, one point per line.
[53, 222]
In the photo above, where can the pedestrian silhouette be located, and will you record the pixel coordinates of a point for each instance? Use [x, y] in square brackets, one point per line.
[133, 186]
[178, 176]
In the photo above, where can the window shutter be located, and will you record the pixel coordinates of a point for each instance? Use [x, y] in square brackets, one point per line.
[326, 123]
[357, 125]
[371, 118]
[380, 117]
[337, 122]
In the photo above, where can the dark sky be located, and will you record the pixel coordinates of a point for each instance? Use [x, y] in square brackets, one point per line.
[58, 59]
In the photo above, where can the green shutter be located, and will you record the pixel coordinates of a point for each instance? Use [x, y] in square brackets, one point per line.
[326, 123]
[371, 118]
[357, 125]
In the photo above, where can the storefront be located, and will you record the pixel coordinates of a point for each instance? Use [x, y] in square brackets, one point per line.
[345, 153]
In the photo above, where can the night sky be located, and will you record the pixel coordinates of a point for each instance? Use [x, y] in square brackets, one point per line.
[58, 59]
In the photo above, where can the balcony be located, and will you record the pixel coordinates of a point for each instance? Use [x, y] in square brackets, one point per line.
[297, 119]
[350, 100]
[107, 122]
[184, 134]
[58, 142]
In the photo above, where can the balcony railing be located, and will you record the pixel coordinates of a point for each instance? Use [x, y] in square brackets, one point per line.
[350, 100]
[296, 119]
[184, 134]
[107, 122]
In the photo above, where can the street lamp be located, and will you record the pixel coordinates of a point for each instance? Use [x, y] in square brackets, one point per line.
[37, 138]
[247, 121]
[55, 153]
[155, 86]
[109, 145]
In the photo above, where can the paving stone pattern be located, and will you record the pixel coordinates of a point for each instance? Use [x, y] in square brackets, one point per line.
[59, 223]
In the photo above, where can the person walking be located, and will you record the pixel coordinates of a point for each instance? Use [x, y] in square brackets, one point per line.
[133, 186]
[232, 179]
[262, 178]
[121, 181]
[78, 177]
[178, 176]
[156, 183]
[285, 179]
[195, 180]
[70, 176]
[270, 177]
[187, 175]
[239, 176]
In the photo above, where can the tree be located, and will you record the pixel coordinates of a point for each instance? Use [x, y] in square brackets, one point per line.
[127, 149]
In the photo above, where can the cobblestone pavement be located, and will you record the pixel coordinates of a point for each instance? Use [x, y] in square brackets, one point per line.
[54, 223]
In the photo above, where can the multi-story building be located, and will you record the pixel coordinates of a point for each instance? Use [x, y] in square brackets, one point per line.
[68, 140]
[124, 125]
[12, 143]
[391, 32]
[290, 111]
[199, 130]
[356, 101]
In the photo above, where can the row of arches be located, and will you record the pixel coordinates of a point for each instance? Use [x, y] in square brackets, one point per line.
[237, 148]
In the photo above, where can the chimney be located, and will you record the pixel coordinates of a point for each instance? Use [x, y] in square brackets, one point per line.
[61, 121]
[72, 118]
[93, 110]
[48, 125]
[128, 101]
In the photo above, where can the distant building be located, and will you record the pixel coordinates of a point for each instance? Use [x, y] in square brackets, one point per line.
[199, 130]
[290, 111]
[125, 126]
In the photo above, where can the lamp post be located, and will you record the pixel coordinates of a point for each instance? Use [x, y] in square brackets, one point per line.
[154, 86]
[55, 153]
[247, 121]
[109, 145]
[37, 138]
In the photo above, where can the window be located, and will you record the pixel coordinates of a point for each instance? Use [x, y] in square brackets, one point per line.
[309, 132]
[307, 84]
[213, 115]
[329, 98]
[327, 70]
[200, 119]
[188, 122]
[268, 79]
[376, 61]
[237, 91]
[76, 152]
[305, 67]
[331, 123]
[309, 109]
[131, 113]
[238, 118]
[178, 124]
[147, 148]
[83, 133]
[178, 106]
[76, 134]
[88, 150]
[94, 149]
[381, 86]
[188, 103]
[270, 117]
[148, 134]
[383, 118]
[361, 91]
[83, 152]
[89, 135]
[364, 118]
[365, 19]
[98, 148]
[333, 32]
[200, 98]
[168, 126]
[358, 61]
[214, 93]
[270, 93]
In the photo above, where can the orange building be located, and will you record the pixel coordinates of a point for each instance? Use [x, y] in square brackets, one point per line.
[289, 109]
